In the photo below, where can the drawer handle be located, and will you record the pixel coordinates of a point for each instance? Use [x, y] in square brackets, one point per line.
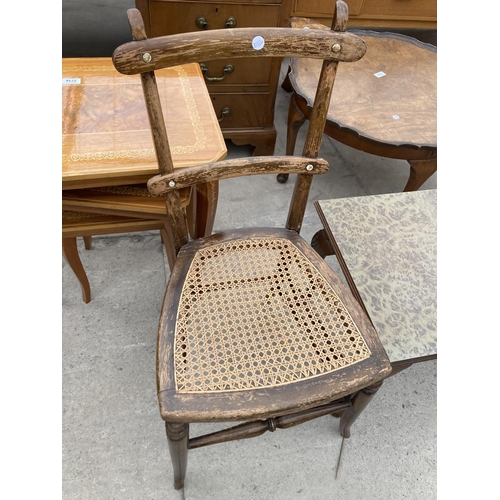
[202, 23]
[224, 112]
[231, 22]
[227, 70]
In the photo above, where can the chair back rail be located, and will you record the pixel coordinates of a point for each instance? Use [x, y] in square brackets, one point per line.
[239, 167]
[171, 50]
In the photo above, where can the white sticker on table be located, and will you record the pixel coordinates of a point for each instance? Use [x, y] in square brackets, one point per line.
[396, 117]
[380, 74]
[71, 81]
[258, 43]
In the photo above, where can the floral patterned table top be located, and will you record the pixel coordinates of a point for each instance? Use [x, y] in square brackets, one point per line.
[389, 245]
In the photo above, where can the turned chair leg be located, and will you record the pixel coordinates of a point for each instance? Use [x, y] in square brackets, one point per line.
[359, 403]
[178, 437]
[295, 120]
[70, 251]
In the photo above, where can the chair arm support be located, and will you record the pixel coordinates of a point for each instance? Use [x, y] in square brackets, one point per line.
[209, 172]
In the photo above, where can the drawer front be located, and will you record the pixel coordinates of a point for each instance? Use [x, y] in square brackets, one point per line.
[172, 17]
[245, 110]
[325, 7]
[167, 18]
[371, 9]
[400, 8]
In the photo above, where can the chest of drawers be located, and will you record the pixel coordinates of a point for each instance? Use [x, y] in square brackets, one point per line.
[374, 13]
[243, 91]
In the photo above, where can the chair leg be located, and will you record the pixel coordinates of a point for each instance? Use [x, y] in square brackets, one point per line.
[178, 437]
[420, 171]
[70, 251]
[295, 120]
[359, 403]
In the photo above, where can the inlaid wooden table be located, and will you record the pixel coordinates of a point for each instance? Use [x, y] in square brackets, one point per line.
[386, 248]
[108, 154]
[384, 104]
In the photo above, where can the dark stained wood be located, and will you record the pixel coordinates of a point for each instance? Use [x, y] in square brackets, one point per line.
[248, 404]
[321, 244]
[235, 168]
[319, 112]
[259, 427]
[178, 437]
[175, 213]
[360, 402]
[276, 405]
[204, 46]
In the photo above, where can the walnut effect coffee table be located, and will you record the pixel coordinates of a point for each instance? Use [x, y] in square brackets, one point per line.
[384, 104]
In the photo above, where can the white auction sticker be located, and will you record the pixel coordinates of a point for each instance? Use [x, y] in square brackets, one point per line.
[380, 74]
[71, 81]
[258, 43]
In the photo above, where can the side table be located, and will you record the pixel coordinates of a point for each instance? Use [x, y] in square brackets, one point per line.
[386, 247]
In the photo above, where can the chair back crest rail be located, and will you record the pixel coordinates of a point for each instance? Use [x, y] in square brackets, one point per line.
[143, 56]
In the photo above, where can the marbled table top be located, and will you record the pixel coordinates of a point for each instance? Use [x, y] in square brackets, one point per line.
[389, 245]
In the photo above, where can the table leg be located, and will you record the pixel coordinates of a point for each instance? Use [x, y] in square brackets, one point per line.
[287, 85]
[321, 244]
[88, 242]
[420, 171]
[71, 255]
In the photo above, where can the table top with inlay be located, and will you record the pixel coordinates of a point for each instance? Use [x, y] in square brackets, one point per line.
[389, 96]
[106, 138]
[388, 245]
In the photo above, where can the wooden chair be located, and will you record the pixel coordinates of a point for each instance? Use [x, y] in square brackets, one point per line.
[255, 326]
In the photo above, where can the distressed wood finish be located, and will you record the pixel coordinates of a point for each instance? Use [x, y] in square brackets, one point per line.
[267, 280]
[235, 168]
[323, 94]
[259, 427]
[234, 43]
